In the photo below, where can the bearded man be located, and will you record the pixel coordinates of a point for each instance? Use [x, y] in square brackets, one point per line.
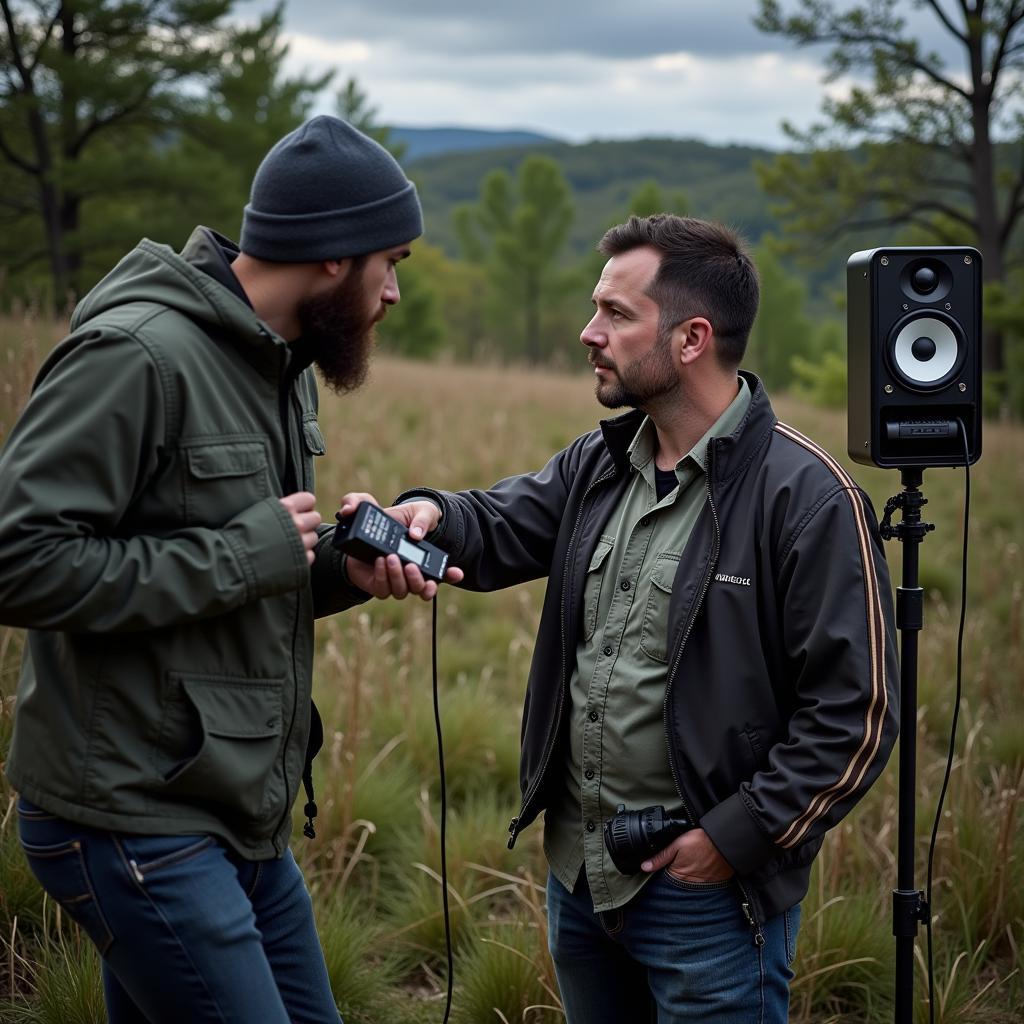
[159, 540]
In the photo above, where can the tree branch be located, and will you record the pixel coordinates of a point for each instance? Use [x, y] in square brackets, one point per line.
[28, 259]
[949, 183]
[1012, 21]
[893, 221]
[924, 206]
[841, 37]
[18, 205]
[98, 123]
[887, 135]
[34, 63]
[944, 18]
[16, 54]
[14, 158]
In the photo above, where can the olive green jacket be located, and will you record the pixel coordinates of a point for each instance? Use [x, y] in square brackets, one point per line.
[166, 592]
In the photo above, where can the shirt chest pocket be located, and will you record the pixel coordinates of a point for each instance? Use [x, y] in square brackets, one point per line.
[223, 478]
[654, 636]
[592, 585]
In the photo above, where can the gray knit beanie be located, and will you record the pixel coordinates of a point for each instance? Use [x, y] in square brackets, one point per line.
[327, 191]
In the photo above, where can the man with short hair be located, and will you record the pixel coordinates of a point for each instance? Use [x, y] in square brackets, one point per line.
[717, 639]
[159, 540]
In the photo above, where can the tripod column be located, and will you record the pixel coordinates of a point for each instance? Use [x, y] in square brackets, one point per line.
[908, 904]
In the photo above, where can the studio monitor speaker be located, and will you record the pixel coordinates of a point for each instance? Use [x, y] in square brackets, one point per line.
[914, 355]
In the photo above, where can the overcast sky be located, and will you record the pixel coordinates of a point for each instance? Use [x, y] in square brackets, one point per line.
[577, 69]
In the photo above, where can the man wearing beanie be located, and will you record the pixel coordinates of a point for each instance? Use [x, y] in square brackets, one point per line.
[159, 541]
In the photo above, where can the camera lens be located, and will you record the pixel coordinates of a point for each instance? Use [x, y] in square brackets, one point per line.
[925, 279]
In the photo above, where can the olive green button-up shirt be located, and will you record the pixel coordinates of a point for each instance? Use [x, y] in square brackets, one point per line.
[617, 752]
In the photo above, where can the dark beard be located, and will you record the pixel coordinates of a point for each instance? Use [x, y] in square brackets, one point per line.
[338, 333]
[650, 377]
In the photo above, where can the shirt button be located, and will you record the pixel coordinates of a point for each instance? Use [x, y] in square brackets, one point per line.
[593, 716]
[589, 773]
[624, 585]
[608, 650]
[591, 826]
[646, 521]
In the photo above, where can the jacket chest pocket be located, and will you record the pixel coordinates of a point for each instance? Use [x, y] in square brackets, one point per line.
[222, 478]
[592, 585]
[654, 636]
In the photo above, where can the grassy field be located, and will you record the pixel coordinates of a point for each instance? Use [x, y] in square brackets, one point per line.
[373, 867]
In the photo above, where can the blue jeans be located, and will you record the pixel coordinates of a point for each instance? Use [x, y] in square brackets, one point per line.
[188, 931]
[678, 951]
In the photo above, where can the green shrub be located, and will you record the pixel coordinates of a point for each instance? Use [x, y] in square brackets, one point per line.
[361, 973]
[67, 983]
[821, 381]
[499, 980]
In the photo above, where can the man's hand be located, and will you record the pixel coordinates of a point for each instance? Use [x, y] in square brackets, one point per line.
[691, 857]
[387, 577]
[301, 507]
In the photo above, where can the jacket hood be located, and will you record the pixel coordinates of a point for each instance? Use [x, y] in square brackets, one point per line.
[155, 273]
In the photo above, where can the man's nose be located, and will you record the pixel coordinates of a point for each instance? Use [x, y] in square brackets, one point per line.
[391, 295]
[591, 335]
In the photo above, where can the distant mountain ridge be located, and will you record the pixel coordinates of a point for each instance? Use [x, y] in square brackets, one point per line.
[426, 142]
[719, 182]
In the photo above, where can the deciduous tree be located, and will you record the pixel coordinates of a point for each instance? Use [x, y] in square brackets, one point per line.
[920, 147]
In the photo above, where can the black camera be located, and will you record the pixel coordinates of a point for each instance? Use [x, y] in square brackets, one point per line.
[635, 836]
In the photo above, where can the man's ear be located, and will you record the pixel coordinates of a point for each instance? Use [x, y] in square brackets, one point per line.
[336, 269]
[693, 338]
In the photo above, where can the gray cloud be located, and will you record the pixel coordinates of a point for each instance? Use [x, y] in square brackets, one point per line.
[610, 68]
[600, 28]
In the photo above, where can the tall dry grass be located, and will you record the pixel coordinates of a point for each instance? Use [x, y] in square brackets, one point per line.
[373, 867]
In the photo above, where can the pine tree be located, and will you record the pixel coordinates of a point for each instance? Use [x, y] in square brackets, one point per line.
[517, 231]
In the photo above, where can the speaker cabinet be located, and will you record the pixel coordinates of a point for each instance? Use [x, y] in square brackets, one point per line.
[914, 355]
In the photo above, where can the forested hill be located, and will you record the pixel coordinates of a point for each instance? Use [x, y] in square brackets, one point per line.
[419, 143]
[717, 182]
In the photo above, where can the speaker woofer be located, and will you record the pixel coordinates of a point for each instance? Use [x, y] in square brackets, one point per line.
[926, 350]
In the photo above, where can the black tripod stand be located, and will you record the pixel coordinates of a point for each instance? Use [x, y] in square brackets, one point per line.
[909, 906]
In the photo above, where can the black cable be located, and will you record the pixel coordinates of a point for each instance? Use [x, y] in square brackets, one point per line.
[444, 814]
[956, 715]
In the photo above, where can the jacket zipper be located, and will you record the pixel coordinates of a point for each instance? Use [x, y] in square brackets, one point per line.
[747, 904]
[286, 423]
[748, 912]
[513, 825]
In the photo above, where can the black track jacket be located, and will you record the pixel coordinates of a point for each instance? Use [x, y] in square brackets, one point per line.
[781, 694]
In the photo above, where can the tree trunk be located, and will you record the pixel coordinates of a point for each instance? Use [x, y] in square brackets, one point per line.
[70, 211]
[71, 202]
[54, 237]
[43, 171]
[532, 313]
[985, 202]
